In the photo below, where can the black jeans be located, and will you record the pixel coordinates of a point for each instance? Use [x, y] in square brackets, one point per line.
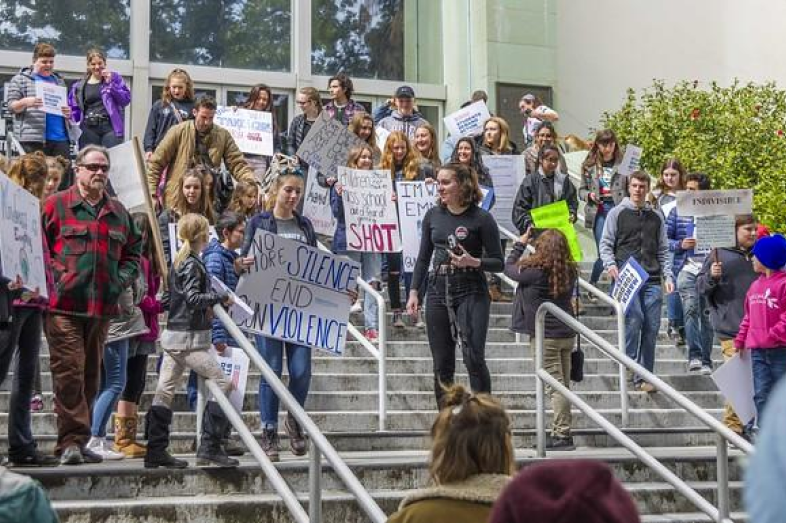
[136, 374]
[101, 134]
[54, 149]
[24, 338]
[472, 314]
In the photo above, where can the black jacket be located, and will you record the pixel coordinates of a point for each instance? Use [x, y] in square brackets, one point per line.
[190, 299]
[162, 118]
[533, 193]
[267, 222]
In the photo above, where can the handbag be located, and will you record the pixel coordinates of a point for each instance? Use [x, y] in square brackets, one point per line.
[577, 356]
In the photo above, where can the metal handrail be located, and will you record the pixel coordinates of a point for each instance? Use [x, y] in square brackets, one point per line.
[320, 446]
[619, 312]
[382, 340]
[725, 435]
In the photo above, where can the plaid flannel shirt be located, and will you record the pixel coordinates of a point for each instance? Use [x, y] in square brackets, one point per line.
[94, 254]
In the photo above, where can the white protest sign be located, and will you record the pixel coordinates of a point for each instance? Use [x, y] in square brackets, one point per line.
[53, 96]
[234, 362]
[21, 242]
[468, 121]
[251, 130]
[629, 282]
[124, 175]
[631, 160]
[327, 145]
[316, 205]
[175, 243]
[369, 211]
[713, 232]
[414, 201]
[713, 203]
[299, 294]
[735, 381]
[382, 137]
[241, 310]
[507, 172]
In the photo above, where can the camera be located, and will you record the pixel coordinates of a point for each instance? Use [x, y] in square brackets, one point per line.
[453, 245]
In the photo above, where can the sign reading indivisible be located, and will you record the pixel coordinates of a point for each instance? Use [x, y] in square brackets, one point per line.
[316, 205]
[468, 121]
[53, 96]
[299, 294]
[369, 211]
[630, 280]
[327, 145]
[714, 203]
[414, 201]
[630, 160]
[507, 172]
[251, 130]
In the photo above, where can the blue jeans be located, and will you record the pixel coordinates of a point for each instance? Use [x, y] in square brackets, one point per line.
[113, 381]
[698, 329]
[370, 267]
[597, 232]
[769, 366]
[299, 368]
[642, 324]
[674, 309]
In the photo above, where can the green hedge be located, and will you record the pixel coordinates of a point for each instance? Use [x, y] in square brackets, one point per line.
[735, 134]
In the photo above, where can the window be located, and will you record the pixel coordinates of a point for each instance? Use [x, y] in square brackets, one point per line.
[242, 34]
[72, 27]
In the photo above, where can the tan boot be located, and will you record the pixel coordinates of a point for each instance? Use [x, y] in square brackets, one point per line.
[125, 438]
[495, 293]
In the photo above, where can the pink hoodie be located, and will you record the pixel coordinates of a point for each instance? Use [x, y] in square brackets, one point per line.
[764, 323]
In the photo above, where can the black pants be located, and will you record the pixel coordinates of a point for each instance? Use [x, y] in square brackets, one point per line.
[472, 314]
[100, 134]
[136, 374]
[54, 149]
[493, 278]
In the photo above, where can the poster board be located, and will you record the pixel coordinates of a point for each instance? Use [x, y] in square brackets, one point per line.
[369, 211]
[125, 180]
[316, 205]
[630, 280]
[714, 203]
[557, 216]
[631, 160]
[327, 145]
[53, 96]
[234, 364]
[468, 121]
[735, 381]
[714, 232]
[251, 130]
[507, 172]
[414, 201]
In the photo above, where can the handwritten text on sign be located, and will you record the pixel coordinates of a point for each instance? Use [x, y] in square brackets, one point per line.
[21, 245]
[251, 130]
[468, 121]
[327, 145]
[53, 96]
[713, 203]
[631, 160]
[298, 293]
[369, 211]
[316, 205]
[414, 200]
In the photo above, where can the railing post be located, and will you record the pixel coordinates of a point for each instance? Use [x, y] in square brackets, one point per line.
[200, 407]
[723, 479]
[623, 371]
[382, 338]
[540, 401]
[314, 483]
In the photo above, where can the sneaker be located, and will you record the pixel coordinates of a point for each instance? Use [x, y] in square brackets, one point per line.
[90, 456]
[371, 334]
[694, 365]
[269, 443]
[559, 443]
[398, 321]
[590, 297]
[681, 337]
[37, 403]
[101, 447]
[706, 370]
[645, 387]
[356, 308]
[35, 459]
[420, 322]
[72, 455]
[297, 441]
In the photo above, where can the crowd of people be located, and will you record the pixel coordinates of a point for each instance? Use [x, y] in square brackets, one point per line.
[104, 281]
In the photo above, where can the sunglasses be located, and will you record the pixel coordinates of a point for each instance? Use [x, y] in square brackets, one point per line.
[95, 167]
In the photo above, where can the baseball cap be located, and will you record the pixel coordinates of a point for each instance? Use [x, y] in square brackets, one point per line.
[405, 91]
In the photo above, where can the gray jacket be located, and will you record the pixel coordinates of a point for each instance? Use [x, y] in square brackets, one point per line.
[590, 183]
[30, 124]
[130, 323]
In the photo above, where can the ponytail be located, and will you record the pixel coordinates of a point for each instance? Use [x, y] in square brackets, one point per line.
[190, 229]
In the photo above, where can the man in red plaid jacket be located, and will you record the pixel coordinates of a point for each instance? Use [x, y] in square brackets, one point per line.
[95, 251]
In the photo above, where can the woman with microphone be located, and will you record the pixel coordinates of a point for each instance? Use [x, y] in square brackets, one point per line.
[464, 240]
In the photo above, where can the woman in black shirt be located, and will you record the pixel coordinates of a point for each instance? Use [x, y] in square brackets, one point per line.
[464, 241]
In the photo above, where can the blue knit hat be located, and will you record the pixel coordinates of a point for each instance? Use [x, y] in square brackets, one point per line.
[771, 251]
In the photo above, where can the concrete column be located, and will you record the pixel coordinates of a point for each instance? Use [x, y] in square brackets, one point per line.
[140, 60]
[465, 49]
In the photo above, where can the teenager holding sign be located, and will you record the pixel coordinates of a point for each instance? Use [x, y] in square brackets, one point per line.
[192, 197]
[464, 241]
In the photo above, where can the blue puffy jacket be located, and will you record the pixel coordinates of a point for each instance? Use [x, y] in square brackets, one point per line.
[220, 262]
[340, 236]
[677, 229]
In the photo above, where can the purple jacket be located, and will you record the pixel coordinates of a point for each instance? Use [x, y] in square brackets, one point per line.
[114, 94]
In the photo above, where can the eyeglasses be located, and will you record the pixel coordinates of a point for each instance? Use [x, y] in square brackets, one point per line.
[95, 167]
[302, 103]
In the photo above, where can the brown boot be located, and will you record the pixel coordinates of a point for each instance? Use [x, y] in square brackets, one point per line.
[495, 293]
[125, 438]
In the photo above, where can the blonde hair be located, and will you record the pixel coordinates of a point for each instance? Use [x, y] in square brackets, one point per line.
[433, 152]
[166, 96]
[313, 95]
[205, 204]
[354, 155]
[470, 436]
[410, 162]
[94, 52]
[272, 192]
[191, 229]
[29, 172]
[241, 190]
[356, 123]
[503, 142]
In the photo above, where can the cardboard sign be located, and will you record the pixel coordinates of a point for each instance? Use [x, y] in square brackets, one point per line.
[382, 137]
[175, 243]
[735, 381]
[712, 232]
[369, 211]
[21, 241]
[414, 201]
[299, 294]
[53, 96]
[629, 282]
[507, 172]
[251, 130]
[468, 121]
[327, 145]
[631, 160]
[234, 362]
[124, 171]
[714, 203]
[316, 205]
[557, 216]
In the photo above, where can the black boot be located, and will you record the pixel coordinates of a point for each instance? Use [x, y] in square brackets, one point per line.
[211, 452]
[158, 421]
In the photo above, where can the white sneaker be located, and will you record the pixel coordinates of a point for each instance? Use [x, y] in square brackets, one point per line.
[357, 307]
[694, 365]
[101, 447]
[706, 370]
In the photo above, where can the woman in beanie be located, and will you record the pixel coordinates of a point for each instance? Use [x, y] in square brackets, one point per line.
[763, 328]
[471, 462]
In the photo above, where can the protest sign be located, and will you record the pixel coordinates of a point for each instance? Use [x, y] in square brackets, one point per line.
[414, 201]
[316, 205]
[507, 173]
[53, 96]
[241, 310]
[629, 282]
[631, 160]
[124, 171]
[468, 121]
[735, 381]
[713, 232]
[327, 145]
[299, 294]
[234, 362]
[488, 197]
[556, 216]
[175, 243]
[382, 137]
[714, 203]
[369, 211]
[251, 130]
[21, 242]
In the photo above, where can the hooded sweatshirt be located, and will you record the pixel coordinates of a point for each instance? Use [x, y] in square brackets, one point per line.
[726, 295]
[404, 123]
[636, 232]
[764, 323]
